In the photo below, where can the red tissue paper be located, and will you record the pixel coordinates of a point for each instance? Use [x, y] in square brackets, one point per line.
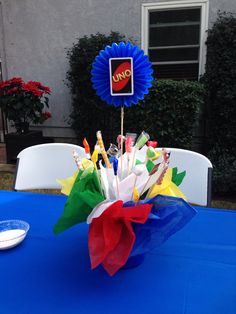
[111, 235]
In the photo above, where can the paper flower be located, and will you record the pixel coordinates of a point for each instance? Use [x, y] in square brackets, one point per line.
[142, 74]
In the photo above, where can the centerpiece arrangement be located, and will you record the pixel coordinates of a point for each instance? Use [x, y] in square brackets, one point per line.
[120, 195]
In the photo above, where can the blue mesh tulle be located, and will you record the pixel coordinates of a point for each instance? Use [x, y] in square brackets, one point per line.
[169, 214]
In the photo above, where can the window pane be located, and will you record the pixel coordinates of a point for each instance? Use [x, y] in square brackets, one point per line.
[172, 36]
[170, 28]
[176, 71]
[175, 54]
[175, 16]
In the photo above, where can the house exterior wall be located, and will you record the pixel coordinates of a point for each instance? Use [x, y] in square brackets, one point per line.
[34, 37]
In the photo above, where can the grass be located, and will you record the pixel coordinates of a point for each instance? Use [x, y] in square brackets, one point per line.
[6, 183]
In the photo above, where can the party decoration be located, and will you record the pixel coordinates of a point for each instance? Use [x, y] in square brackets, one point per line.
[152, 144]
[84, 196]
[128, 215]
[112, 247]
[120, 199]
[129, 147]
[120, 138]
[138, 171]
[86, 147]
[166, 187]
[113, 152]
[94, 156]
[142, 139]
[160, 224]
[67, 184]
[128, 144]
[115, 168]
[177, 178]
[111, 74]
[135, 195]
[77, 160]
[102, 148]
[121, 76]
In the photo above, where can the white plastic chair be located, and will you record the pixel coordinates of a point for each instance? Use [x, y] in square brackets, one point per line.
[39, 166]
[196, 185]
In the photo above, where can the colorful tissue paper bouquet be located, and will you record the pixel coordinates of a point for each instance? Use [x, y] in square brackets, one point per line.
[132, 203]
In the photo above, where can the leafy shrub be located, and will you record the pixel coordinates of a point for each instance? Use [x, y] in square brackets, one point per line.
[170, 110]
[168, 113]
[224, 172]
[220, 86]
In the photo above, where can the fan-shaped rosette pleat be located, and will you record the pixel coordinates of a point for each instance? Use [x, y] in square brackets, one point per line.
[142, 74]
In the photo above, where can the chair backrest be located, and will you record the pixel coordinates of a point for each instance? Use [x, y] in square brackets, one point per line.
[196, 185]
[39, 166]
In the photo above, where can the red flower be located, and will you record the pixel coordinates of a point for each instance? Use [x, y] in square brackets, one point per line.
[46, 114]
[16, 80]
[14, 90]
[4, 84]
[46, 89]
[30, 87]
[111, 235]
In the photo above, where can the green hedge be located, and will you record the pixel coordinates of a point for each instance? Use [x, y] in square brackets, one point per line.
[168, 113]
[170, 110]
[220, 86]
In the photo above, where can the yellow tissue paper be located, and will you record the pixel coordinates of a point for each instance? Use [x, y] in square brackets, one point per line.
[67, 183]
[167, 187]
[86, 163]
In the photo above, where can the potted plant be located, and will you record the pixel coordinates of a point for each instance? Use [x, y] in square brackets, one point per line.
[23, 103]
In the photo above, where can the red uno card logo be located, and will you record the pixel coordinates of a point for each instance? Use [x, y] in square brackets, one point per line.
[121, 76]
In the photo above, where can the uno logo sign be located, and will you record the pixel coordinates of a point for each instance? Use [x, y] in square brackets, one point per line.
[121, 77]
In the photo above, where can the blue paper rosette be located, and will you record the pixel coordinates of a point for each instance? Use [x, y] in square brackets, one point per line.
[142, 74]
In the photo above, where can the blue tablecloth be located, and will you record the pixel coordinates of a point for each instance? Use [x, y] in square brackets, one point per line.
[194, 272]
